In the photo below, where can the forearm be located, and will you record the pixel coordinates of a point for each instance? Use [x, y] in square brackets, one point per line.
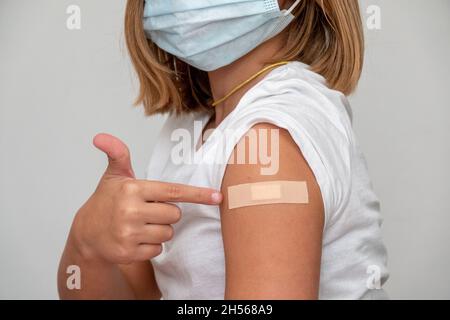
[98, 279]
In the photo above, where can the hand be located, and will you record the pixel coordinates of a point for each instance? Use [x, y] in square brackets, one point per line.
[126, 220]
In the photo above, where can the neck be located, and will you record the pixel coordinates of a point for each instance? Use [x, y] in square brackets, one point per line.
[225, 79]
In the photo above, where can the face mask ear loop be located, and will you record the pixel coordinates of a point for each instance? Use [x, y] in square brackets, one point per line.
[289, 11]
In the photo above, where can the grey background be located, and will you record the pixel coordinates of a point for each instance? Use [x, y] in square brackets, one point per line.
[58, 88]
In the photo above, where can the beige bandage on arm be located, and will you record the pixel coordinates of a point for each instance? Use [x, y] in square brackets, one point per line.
[271, 192]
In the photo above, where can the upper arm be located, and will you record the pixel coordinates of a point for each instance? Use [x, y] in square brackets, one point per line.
[273, 251]
[140, 276]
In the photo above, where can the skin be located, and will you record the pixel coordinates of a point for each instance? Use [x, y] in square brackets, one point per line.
[271, 252]
[121, 227]
[225, 79]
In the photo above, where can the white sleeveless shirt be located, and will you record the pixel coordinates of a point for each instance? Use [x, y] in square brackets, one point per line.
[294, 98]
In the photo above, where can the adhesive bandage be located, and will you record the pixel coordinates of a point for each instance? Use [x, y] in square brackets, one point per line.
[271, 192]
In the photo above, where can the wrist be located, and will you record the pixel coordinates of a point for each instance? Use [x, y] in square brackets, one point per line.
[79, 240]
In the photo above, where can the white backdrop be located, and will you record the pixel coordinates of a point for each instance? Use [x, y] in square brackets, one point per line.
[60, 87]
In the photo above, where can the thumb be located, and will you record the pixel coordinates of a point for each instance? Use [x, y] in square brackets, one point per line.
[119, 162]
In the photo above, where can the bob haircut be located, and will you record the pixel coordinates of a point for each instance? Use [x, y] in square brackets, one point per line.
[326, 34]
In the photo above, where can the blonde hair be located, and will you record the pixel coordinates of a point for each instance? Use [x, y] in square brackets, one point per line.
[326, 34]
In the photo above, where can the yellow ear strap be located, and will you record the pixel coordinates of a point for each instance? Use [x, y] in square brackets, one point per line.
[240, 86]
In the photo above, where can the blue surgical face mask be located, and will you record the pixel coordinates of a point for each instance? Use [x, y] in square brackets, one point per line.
[210, 34]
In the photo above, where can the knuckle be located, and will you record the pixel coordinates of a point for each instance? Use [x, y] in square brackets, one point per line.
[123, 255]
[126, 210]
[129, 187]
[124, 234]
[199, 195]
[129, 211]
[174, 192]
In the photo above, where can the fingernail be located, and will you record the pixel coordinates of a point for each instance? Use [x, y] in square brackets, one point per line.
[216, 197]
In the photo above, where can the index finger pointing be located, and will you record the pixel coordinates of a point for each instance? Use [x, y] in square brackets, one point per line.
[174, 192]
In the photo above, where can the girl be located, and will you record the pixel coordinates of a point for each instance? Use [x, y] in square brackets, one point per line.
[256, 95]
